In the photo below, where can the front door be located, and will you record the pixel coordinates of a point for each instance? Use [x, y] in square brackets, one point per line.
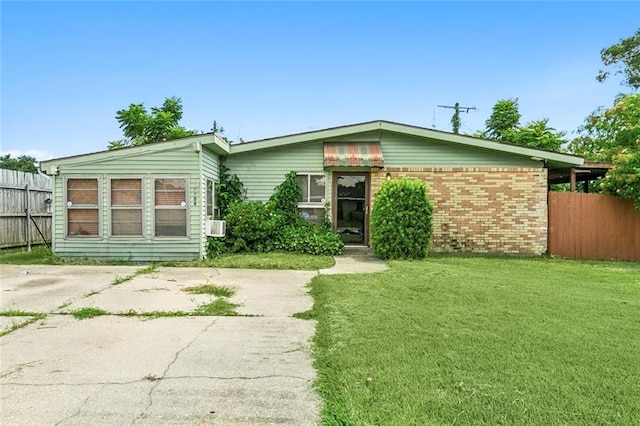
[351, 216]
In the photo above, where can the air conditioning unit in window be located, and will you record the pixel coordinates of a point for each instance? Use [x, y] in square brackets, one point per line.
[214, 228]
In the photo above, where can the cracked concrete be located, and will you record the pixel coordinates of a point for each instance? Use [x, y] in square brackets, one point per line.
[172, 370]
[188, 370]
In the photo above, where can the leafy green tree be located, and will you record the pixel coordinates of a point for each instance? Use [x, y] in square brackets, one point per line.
[22, 163]
[626, 55]
[536, 134]
[504, 125]
[504, 118]
[613, 135]
[141, 127]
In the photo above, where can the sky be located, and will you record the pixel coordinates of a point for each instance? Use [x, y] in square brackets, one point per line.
[267, 69]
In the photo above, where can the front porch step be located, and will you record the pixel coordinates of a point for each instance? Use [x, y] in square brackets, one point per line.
[350, 249]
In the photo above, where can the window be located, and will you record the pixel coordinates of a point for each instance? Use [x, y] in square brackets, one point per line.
[170, 204]
[83, 210]
[211, 201]
[311, 203]
[126, 207]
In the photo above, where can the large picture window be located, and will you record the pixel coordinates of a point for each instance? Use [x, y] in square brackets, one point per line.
[311, 203]
[83, 209]
[170, 205]
[126, 207]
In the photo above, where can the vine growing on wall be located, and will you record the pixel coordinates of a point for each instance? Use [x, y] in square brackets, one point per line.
[229, 189]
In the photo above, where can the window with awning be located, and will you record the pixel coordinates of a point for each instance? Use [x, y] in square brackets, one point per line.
[353, 154]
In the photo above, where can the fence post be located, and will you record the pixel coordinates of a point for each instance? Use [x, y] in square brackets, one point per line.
[27, 217]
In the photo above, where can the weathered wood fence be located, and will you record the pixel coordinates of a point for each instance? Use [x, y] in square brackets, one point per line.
[25, 208]
[593, 226]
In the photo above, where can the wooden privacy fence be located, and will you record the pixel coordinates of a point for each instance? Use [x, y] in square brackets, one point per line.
[593, 226]
[25, 208]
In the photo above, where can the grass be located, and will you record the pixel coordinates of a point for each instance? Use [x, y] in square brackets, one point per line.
[218, 307]
[86, 313]
[146, 270]
[215, 290]
[25, 318]
[480, 341]
[270, 260]
[41, 255]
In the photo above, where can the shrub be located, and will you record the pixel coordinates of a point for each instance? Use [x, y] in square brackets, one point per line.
[251, 227]
[401, 220]
[307, 238]
[215, 247]
[256, 227]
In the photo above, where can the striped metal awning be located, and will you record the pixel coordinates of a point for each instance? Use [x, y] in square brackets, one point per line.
[353, 154]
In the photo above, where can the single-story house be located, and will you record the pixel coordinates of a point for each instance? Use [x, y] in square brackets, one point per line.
[156, 201]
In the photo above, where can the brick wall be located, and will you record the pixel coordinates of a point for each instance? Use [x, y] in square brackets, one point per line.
[483, 210]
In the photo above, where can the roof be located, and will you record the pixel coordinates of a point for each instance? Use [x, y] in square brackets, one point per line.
[552, 159]
[210, 140]
[587, 172]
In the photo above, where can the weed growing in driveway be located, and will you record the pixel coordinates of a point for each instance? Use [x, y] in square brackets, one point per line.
[19, 313]
[219, 307]
[65, 304]
[153, 314]
[85, 313]
[146, 270]
[31, 317]
[215, 290]
[91, 293]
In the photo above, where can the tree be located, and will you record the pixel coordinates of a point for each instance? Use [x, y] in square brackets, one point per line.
[139, 127]
[22, 163]
[536, 134]
[503, 125]
[626, 55]
[613, 135]
[504, 118]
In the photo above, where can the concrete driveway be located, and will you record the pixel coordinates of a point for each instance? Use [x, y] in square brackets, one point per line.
[186, 370]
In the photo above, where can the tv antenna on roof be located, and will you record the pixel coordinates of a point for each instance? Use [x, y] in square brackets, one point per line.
[455, 120]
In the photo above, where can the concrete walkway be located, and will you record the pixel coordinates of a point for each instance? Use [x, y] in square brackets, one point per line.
[177, 370]
[355, 264]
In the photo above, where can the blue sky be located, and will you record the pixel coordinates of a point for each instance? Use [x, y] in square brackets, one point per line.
[268, 69]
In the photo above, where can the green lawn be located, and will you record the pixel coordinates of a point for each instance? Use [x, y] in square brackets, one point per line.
[468, 340]
[41, 255]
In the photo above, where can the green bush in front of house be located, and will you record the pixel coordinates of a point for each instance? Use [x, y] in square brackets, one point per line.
[401, 220]
[256, 227]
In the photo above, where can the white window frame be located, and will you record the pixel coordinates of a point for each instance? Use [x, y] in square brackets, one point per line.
[214, 207]
[68, 207]
[141, 207]
[155, 208]
[307, 204]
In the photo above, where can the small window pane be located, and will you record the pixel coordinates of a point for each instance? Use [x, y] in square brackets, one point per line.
[303, 183]
[82, 191]
[170, 192]
[82, 222]
[317, 188]
[312, 215]
[126, 222]
[171, 223]
[126, 192]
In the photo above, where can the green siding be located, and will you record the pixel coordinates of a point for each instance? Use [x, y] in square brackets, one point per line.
[261, 171]
[181, 162]
[406, 151]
